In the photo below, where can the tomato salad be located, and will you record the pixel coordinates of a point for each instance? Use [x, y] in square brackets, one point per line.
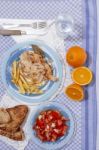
[50, 125]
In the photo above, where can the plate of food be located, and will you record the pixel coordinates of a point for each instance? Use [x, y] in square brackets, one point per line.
[32, 72]
[52, 126]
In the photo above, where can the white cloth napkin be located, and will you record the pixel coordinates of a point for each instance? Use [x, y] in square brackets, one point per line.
[53, 41]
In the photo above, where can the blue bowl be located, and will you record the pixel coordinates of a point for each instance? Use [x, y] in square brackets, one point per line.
[66, 139]
[50, 88]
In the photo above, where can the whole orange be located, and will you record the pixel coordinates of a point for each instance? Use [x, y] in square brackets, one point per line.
[76, 56]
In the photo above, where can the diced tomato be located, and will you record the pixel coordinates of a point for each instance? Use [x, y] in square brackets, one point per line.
[50, 117]
[59, 122]
[50, 125]
[54, 137]
[40, 137]
[40, 123]
[55, 115]
[64, 129]
[53, 125]
[56, 131]
[43, 113]
[65, 119]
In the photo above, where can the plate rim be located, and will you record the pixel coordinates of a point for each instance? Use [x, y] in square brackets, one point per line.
[23, 45]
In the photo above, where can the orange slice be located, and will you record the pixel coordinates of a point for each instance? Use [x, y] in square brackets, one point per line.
[82, 75]
[76, 56]
[75, 92]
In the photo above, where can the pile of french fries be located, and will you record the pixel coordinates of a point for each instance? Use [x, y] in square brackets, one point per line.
[23, 86]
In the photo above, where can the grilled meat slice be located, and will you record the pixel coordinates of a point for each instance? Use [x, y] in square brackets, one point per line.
[38, 50]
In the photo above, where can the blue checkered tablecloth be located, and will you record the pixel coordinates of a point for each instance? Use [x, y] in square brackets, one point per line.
[83, 12]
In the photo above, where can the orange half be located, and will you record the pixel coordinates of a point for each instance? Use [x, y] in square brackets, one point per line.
[75, 92]
[82, 75]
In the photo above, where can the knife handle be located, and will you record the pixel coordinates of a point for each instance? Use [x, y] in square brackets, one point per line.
[10, 32]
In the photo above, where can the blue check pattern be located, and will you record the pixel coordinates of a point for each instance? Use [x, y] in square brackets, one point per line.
[49, 9]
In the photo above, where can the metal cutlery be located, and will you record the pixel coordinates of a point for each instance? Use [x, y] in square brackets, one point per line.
[13, 32]
[35, 25]
[6, 32]
[39, 28]
[10, 32]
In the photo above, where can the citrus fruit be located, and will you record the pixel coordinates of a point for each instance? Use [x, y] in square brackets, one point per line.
[82, 75]
[76, 56]
[75, 92]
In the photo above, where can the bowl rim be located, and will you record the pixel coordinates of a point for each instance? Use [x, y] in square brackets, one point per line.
[64, 109]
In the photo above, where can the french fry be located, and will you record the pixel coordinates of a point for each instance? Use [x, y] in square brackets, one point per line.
[40, 92]
[37, 91]
[27, 90]
[39, 84]
[33, 88]
[13, 81]
[21, 88]
[24, 82]
[14, 69]
[17, 74]
[12, 74]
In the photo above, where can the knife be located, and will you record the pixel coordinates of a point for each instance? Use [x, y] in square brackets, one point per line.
[6, 32]
[11, 32]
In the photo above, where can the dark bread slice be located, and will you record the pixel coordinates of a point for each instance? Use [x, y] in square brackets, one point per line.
[18, 135]
[17, 114]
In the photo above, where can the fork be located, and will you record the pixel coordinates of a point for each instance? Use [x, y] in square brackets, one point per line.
[35, 25]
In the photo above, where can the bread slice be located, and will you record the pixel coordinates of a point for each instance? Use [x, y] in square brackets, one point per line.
[11, 127]
[18, 135]
[17, 114]
[4, 116]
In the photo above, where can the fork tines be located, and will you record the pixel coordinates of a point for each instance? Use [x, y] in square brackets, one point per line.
[34, 25]
[42, 25]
